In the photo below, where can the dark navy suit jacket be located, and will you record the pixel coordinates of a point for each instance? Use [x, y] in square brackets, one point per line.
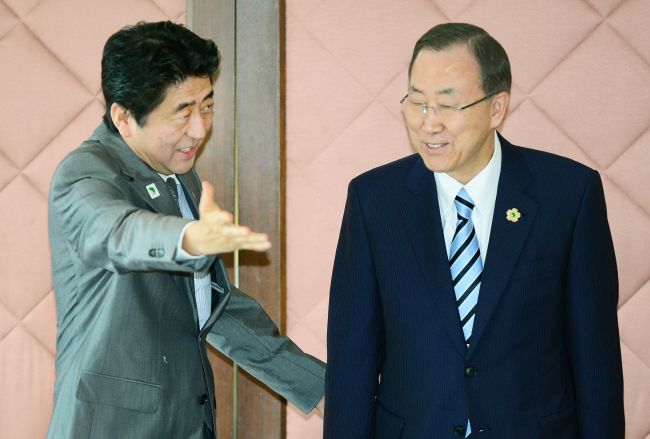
[545, 360]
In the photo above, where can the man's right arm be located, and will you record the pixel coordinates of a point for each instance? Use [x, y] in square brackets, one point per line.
[355, 334]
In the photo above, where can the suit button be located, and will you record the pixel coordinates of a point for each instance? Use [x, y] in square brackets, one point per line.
[459, 430]
[203, 399]
[471, 371]
[156, 252]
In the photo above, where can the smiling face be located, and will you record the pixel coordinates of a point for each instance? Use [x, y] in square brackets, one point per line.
[174, 130]
[459, 143]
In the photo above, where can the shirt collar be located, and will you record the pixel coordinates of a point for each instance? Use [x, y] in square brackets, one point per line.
[165, 177]
[482, 188]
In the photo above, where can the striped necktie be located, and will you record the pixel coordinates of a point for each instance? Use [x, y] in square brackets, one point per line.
[171, 184]
[465, 263]
[466, 268]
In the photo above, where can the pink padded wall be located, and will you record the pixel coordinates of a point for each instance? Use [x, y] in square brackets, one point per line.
[50, 100]
[581, 88]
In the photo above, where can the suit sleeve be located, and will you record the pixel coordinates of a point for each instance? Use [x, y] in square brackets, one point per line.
[592, 320]
[92, 216]
[247, 335]
[355, 334]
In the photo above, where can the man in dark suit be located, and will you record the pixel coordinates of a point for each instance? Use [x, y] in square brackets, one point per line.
[474, 289]
[135, 241]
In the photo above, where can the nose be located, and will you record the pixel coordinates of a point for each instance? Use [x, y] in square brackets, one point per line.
[198, 126]
[431, 121]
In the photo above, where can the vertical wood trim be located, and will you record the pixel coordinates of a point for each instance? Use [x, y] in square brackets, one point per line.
[261, 413]
[216, 21]
[247, 133]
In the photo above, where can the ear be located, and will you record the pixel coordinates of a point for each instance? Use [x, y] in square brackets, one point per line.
[120, 117]
[498, 108]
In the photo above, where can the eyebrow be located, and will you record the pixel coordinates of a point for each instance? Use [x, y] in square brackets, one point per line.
[442, 91]
[184, 105]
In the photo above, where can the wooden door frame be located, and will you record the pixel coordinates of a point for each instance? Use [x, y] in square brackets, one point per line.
[244, 159]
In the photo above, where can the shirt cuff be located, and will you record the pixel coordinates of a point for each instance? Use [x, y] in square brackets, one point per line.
[181, 255]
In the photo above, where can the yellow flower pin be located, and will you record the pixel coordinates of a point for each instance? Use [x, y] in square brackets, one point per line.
[513, 215]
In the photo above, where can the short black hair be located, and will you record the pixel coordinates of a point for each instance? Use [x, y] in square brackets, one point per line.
[489, 54]
[142, 61]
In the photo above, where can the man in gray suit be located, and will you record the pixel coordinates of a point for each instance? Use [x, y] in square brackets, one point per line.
[134, 237]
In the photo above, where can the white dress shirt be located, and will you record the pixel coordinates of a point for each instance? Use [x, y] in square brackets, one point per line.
[483, 190]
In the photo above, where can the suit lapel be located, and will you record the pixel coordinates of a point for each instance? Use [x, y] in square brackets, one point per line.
[139, 175]
[162, 204]
[507, 238]
[421, 216]
[222, 290]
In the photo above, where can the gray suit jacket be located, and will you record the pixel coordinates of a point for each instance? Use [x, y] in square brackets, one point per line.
[131, 362]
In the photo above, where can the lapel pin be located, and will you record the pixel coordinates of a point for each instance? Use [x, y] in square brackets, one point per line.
[153, 191]
[513, 215]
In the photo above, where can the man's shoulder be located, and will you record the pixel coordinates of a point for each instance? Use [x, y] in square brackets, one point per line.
[550, 166]
[545, 158]
[389, 173]
[88, 157]
[98, 152]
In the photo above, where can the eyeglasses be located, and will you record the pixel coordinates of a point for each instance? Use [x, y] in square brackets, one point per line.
[414, 109]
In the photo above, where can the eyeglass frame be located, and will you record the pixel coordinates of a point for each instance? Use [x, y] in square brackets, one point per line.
[435, 108]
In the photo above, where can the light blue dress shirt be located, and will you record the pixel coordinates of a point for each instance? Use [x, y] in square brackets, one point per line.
[202, 280]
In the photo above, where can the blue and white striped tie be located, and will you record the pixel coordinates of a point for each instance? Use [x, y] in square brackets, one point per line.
[465, 263]
[466, 267]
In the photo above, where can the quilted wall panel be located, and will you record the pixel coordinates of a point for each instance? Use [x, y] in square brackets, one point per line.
[50, 52]
[581, 89]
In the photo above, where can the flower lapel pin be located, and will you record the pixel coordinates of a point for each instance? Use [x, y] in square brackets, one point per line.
[513, 215]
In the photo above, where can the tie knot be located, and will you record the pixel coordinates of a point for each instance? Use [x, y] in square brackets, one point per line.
[464, 203]
[173, 189]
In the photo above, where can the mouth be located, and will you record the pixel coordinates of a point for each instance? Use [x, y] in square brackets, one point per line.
[435, 147]
[188, 151]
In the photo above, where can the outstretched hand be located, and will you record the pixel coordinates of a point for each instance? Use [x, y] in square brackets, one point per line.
[320, 407]
[216, 233]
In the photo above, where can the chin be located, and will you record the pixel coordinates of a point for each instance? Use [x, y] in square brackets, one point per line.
[435, 165]
[184, 168]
